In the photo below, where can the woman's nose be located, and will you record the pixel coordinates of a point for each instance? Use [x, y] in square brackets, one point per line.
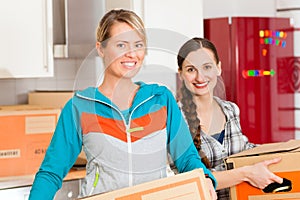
[131, 52]
[200, 76]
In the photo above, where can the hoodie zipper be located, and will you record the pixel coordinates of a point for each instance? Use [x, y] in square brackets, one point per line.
[128, 132]
[96, 179]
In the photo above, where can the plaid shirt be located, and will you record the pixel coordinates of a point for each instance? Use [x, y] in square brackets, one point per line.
[234, 141]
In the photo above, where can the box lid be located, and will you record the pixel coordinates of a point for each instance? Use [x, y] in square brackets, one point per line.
[24, 109]
[278, 147]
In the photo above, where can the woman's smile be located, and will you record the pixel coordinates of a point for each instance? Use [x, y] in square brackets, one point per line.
[129, 64]
[201, 85]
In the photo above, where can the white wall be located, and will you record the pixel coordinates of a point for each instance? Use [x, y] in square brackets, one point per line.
[176, 15]
[170, 23]
[224, 8]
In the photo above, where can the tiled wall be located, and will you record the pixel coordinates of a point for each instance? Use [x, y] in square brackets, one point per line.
[15, 91]
[70, 74]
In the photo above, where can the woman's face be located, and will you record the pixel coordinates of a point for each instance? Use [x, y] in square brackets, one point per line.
[200, 71]
[124, 53]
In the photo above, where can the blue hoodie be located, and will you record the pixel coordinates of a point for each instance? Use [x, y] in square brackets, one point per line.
[123, 147]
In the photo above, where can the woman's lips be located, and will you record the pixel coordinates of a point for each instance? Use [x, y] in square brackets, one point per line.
[129, 64]
[201, 85]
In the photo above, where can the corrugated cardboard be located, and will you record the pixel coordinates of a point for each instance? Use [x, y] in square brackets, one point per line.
[56, 99]
[289, 168]
[25, 133]
[190, 185]
[282, 196]
[50, 98]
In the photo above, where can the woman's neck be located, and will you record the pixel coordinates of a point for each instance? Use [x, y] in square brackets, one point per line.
[120, 91]
[204, 103]
[212, 119]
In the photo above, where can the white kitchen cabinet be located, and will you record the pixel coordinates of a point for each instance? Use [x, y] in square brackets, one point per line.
[26, 39]
[69, 190]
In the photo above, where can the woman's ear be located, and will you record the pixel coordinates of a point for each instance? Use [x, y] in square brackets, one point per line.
[219, 69]
[99, 49]
[179, 74]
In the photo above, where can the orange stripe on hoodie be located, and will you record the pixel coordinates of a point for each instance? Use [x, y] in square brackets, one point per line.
[150, 123]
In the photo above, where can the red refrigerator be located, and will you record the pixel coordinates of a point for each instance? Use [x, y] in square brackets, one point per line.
[257, 68]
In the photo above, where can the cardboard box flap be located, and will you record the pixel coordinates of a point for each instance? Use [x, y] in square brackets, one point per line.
[53, 91]
[188, 185]
[24, 107]
[289, 146]
[47, 98]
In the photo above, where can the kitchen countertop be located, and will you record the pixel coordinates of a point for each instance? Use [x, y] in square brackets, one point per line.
[19, 181]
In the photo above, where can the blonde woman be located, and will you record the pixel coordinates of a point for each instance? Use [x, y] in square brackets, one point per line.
[126, 128]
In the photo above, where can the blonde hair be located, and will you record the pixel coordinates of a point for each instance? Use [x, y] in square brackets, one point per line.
[119, 15]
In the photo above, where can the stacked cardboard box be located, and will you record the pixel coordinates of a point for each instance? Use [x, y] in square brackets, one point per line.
[54, 99]
[25, 133]
[50, 98]
[288, 167]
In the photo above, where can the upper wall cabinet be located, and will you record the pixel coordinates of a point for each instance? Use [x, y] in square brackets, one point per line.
[74, 27]
[26, 39]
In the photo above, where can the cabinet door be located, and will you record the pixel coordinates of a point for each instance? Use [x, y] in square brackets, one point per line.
[69, 190]
[26, 39]
[18, 193]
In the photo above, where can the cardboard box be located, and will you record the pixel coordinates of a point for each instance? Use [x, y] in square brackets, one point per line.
[25, 133]
[189, 185]
[288, 167]
[55, 99]
[288, 196]
[50, 98]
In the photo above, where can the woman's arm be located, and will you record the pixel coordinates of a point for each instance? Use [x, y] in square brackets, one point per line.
[258, 175]
[180, 143]
[61, 154]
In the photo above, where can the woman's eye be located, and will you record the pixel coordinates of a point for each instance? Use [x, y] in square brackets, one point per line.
[121, 45]
[206, 67]
[139, 45]
[190, 69]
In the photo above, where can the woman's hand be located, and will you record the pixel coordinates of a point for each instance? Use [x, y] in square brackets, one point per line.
[258, 175]
[211, 189]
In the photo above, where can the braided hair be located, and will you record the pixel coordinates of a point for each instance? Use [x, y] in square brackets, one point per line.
[188, 106]
[189, 110]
